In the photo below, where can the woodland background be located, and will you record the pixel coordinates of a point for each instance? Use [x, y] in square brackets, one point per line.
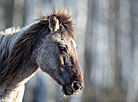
[107, 39]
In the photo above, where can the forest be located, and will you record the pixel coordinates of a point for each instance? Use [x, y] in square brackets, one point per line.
[107, 45]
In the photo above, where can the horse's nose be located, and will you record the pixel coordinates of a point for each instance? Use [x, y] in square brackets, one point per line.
[76, 86]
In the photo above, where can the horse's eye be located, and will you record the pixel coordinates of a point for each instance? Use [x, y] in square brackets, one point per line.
[62, 49]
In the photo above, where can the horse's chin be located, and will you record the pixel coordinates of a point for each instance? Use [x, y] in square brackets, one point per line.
[69, 91]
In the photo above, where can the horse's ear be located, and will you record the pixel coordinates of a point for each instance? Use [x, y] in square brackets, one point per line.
[53, 23]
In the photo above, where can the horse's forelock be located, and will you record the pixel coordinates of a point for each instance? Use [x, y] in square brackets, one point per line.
[65, 22]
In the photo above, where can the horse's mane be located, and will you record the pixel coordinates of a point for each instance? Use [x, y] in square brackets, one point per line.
[12, 60]
[9, 31]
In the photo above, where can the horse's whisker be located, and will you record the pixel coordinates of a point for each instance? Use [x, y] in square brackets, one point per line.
[59, 100]
[63, 96]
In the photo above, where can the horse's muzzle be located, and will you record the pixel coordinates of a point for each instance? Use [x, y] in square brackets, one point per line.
[73, 89]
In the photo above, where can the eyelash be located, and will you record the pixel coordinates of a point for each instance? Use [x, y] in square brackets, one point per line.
[62, 48]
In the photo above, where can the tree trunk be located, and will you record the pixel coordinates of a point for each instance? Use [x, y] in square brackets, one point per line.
[8, 12]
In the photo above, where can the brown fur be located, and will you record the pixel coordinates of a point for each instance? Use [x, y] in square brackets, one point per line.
[24, 46]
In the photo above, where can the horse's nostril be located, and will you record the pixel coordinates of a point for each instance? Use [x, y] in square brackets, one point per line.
[75, 86]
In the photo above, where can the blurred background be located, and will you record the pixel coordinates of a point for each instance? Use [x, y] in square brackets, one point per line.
[107, 39]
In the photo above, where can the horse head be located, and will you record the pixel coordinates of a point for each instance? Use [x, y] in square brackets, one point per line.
[57, 54]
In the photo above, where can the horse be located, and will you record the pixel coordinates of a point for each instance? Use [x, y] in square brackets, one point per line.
[49, 43]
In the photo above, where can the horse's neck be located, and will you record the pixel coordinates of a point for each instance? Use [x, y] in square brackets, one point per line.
[29, 67]
[8, 89]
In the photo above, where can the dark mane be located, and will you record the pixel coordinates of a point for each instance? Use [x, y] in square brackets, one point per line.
[26, 43]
